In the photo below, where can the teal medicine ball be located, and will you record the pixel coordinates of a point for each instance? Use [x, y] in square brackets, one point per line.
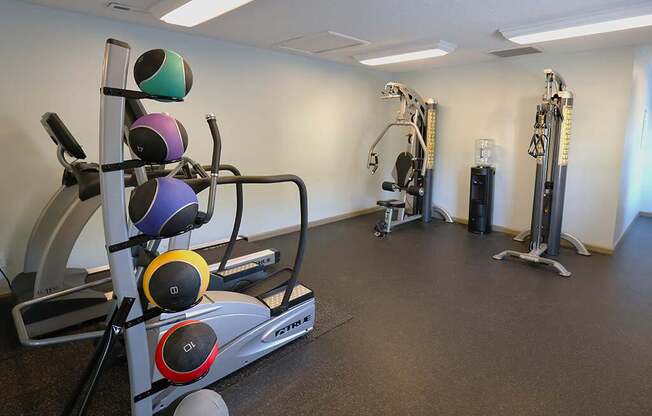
[163, 72]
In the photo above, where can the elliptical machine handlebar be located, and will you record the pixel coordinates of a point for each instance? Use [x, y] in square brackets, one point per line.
[303, 224]
[215, 163]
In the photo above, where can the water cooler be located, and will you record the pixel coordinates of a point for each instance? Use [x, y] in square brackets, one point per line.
[481, 196]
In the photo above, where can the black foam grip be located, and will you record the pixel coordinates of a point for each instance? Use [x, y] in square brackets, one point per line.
[389, 186]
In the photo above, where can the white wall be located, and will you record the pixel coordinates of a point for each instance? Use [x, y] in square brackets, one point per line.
[277, 113]
[634, 147]
[498, 100]
[280, 113]
[645, 56]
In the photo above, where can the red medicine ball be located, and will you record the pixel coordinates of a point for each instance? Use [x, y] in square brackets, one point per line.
[186, 352]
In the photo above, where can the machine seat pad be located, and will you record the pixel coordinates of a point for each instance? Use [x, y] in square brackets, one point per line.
[391, 203]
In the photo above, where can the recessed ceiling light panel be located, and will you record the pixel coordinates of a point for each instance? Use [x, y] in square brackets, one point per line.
[591, 24]
[407, 54]
[190, 13]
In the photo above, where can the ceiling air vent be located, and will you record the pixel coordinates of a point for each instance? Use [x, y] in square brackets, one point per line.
[123, 7]
[508, 53]
[320, 42]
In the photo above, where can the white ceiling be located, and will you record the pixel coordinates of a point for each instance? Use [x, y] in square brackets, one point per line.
[470, 24]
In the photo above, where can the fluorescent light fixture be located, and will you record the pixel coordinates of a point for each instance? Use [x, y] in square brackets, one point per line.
[404, 57]
[392, 57]
[603, 22]
[193, 12]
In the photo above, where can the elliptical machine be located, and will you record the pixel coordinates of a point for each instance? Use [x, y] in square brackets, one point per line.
[63, 219]
[53, 237]
[549, 146]
[414, 168]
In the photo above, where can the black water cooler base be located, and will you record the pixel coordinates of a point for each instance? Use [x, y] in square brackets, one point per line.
[478, 220]
[481, 199]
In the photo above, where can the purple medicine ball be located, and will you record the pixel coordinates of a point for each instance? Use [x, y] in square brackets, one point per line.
[158, 138]
[163, 207]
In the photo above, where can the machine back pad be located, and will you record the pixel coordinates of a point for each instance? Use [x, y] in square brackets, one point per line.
[403, 169]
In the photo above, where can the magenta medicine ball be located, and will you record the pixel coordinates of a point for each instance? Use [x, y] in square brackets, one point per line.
[158, 138]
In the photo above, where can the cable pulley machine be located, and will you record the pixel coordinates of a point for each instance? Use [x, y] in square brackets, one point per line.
[549, 146]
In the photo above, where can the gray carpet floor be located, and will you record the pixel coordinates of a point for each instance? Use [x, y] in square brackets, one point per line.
[421, 323]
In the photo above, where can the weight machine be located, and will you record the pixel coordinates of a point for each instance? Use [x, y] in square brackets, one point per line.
[414, 168]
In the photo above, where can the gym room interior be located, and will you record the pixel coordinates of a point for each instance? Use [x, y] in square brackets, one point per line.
[326, 207]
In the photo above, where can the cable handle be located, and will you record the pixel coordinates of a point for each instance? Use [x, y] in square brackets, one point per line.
[372, 162]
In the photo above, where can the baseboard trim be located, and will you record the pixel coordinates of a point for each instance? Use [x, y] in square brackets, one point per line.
[463, 221]
[311, 224]
[510, 231]
[497, 228]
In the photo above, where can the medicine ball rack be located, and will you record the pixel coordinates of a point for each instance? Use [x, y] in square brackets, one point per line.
[249, 325]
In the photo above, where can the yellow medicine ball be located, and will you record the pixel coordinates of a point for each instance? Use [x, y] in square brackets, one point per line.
[176, 280]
